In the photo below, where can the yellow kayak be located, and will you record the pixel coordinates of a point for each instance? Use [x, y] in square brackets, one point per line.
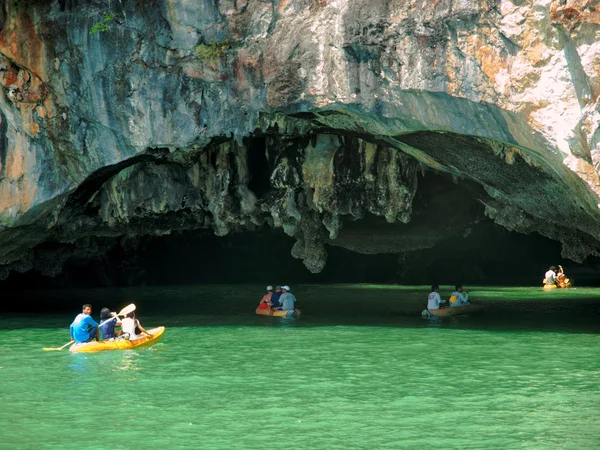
[111, 344]
[285, 313]
[452, 311]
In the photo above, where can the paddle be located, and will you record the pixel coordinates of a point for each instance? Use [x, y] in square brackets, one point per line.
[126, 310]
[58, 348]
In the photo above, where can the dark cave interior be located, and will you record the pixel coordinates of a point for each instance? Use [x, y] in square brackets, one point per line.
[448, 240]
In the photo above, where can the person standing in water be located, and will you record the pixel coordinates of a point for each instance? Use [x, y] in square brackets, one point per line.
[434, 301]
[84, 328]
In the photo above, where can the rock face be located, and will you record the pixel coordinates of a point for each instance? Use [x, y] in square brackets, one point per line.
[123, 119]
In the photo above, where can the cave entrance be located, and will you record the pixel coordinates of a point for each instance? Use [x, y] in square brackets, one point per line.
[448, 240]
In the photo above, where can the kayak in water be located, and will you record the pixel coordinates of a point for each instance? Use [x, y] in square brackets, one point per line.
[120, 344]
[453, 311]
[278, 313]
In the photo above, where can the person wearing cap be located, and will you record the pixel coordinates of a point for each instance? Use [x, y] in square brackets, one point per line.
[287, 299]
[275, 297]
[265, 302]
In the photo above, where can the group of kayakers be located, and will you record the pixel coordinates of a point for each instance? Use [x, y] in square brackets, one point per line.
[460, 297]
[85, 329]
[556, 278]
[280, 300]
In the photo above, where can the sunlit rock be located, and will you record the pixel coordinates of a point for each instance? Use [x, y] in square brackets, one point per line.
[315, 117]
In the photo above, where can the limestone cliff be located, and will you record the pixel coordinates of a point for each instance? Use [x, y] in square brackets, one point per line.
[128, 118]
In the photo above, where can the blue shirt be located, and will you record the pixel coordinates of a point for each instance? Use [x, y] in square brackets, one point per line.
[82, 328]
[275, 299]
[287, 301]
[108, 329]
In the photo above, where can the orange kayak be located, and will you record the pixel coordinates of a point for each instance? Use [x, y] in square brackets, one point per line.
[452, 311]
[142, 341]
[275, 313]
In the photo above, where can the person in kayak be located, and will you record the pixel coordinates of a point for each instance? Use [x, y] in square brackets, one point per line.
[434, 301]
[561, 278]
[275, 297]
[458, 298]
[265, 302]
[550, 278]
[287, 299]
[107, 329]
[84, 328]
[128, 326]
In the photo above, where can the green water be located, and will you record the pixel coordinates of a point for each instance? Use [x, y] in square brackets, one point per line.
[360, 369]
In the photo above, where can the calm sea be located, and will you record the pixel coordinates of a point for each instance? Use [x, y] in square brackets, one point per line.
[359, 370]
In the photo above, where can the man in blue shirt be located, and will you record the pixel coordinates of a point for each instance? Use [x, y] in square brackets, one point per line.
[84, 328]
[287, 299]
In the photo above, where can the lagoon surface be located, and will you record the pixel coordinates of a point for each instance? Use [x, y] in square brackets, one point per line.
[360, 369]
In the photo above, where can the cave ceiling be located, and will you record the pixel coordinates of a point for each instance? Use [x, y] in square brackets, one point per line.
[372, 126]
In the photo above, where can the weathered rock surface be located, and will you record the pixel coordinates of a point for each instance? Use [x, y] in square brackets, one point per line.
[121, 119]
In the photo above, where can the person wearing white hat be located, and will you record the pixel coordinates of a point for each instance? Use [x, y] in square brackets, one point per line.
[287, 299]
[265, 302]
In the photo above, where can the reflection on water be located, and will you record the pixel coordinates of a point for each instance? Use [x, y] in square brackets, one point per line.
[79, 364]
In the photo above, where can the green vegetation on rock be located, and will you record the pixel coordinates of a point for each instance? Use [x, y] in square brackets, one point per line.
[211, 50]
[103, 25]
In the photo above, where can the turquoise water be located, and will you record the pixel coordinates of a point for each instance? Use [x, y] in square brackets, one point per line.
[360, 369]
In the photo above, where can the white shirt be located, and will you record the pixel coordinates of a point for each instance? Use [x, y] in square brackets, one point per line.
[461, 299]
[128, 326]
[434, 300]
[550, 277]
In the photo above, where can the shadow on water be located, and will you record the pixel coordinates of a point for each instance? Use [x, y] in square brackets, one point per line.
[576, 310]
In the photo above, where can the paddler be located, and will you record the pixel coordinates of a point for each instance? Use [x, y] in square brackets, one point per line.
[550, 278]
[275, 297]
[287, 299]
[84, 328]
[265, 302]
[458, 298]
[434, 301]
[128, 326]
[107, 327]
